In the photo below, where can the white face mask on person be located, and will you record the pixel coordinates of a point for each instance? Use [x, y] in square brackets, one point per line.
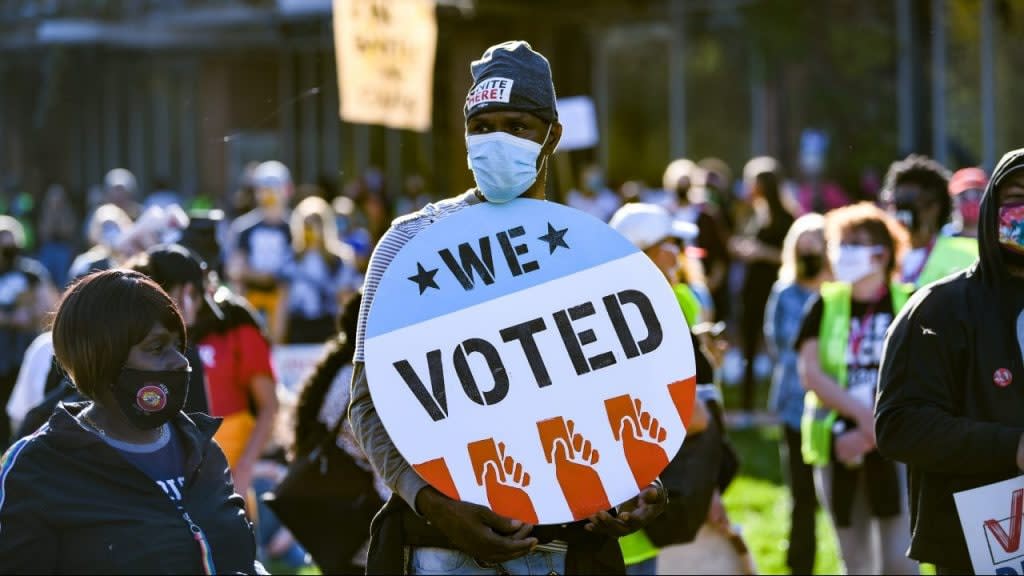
[504, 166]
[851, 262]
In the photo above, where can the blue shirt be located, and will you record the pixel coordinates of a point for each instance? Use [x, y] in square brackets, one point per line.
[163, 461]
[782, 319]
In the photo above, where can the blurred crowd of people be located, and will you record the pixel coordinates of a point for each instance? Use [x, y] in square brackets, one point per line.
[747, 258]
[167, 311]
[279, 265]
[802, 271]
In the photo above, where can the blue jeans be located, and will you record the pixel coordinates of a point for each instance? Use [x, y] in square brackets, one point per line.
[648, 567]
[268, 525]
[445, 561]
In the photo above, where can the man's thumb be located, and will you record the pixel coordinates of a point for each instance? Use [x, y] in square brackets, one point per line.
[498, 523]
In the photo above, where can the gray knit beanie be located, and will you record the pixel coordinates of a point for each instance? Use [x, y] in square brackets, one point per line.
[512, 76]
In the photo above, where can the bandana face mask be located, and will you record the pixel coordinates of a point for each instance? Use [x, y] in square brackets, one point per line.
[1011, 227]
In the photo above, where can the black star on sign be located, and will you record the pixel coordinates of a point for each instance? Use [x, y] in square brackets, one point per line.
[425, 278]
[554, 238]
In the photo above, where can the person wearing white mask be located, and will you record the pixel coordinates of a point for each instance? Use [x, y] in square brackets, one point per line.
[512, 129]
[839, 349]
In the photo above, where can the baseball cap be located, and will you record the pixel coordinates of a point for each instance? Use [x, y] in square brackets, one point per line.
[647, 224]
[512, 76]
[759, 165]
[271, 174]
[967, 179]
[120, 178]
[677, 169]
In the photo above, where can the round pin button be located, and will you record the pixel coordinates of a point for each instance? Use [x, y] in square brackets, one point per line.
[1002, 378]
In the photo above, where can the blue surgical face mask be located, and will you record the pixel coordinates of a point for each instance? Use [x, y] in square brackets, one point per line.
[503, 165]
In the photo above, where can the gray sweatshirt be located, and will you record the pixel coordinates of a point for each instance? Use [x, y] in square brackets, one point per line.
[366, 424]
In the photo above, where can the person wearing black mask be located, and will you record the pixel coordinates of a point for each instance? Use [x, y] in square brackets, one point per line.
[180, 273]
[26, 295]
[950, 396]
[916, 194]
[803, 270]
[126, 482]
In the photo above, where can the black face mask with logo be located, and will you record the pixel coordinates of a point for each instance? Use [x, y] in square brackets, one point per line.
[150, 398]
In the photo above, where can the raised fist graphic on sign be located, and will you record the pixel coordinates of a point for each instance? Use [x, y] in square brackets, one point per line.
[574, 459]
[641, 435]
[504, 479]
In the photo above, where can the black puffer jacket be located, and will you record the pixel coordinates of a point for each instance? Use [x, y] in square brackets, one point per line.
[940, 409]
[70, 503]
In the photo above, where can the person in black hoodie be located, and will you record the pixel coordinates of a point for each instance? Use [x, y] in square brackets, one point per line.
[949, 405]
[124, 483]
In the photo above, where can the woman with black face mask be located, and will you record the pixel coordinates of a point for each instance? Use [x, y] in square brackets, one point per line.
[803, 269]
[125, 482]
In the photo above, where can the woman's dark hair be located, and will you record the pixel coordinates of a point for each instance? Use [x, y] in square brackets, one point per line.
[768, 184]
[101, 317]
[339, 352]
[170, 266]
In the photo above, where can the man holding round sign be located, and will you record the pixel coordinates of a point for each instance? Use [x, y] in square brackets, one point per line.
[523, 373]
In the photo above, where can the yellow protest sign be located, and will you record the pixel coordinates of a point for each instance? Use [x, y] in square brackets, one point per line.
[385, 53]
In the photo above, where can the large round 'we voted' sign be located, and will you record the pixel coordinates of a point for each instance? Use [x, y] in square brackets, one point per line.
[528, 358]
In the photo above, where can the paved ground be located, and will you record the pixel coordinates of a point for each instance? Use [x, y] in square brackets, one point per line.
[711, 553]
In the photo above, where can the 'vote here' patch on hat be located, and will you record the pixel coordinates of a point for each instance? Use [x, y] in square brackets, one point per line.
[490, 90]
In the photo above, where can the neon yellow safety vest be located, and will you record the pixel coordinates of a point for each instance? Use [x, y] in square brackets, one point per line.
[689, 303]
[637, 547]
[949, 256]
[817, 421]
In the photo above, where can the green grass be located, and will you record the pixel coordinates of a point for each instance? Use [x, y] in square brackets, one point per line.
[758, 500]
[279, 568]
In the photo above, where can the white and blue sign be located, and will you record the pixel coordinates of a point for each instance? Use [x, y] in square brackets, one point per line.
[526, 357]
